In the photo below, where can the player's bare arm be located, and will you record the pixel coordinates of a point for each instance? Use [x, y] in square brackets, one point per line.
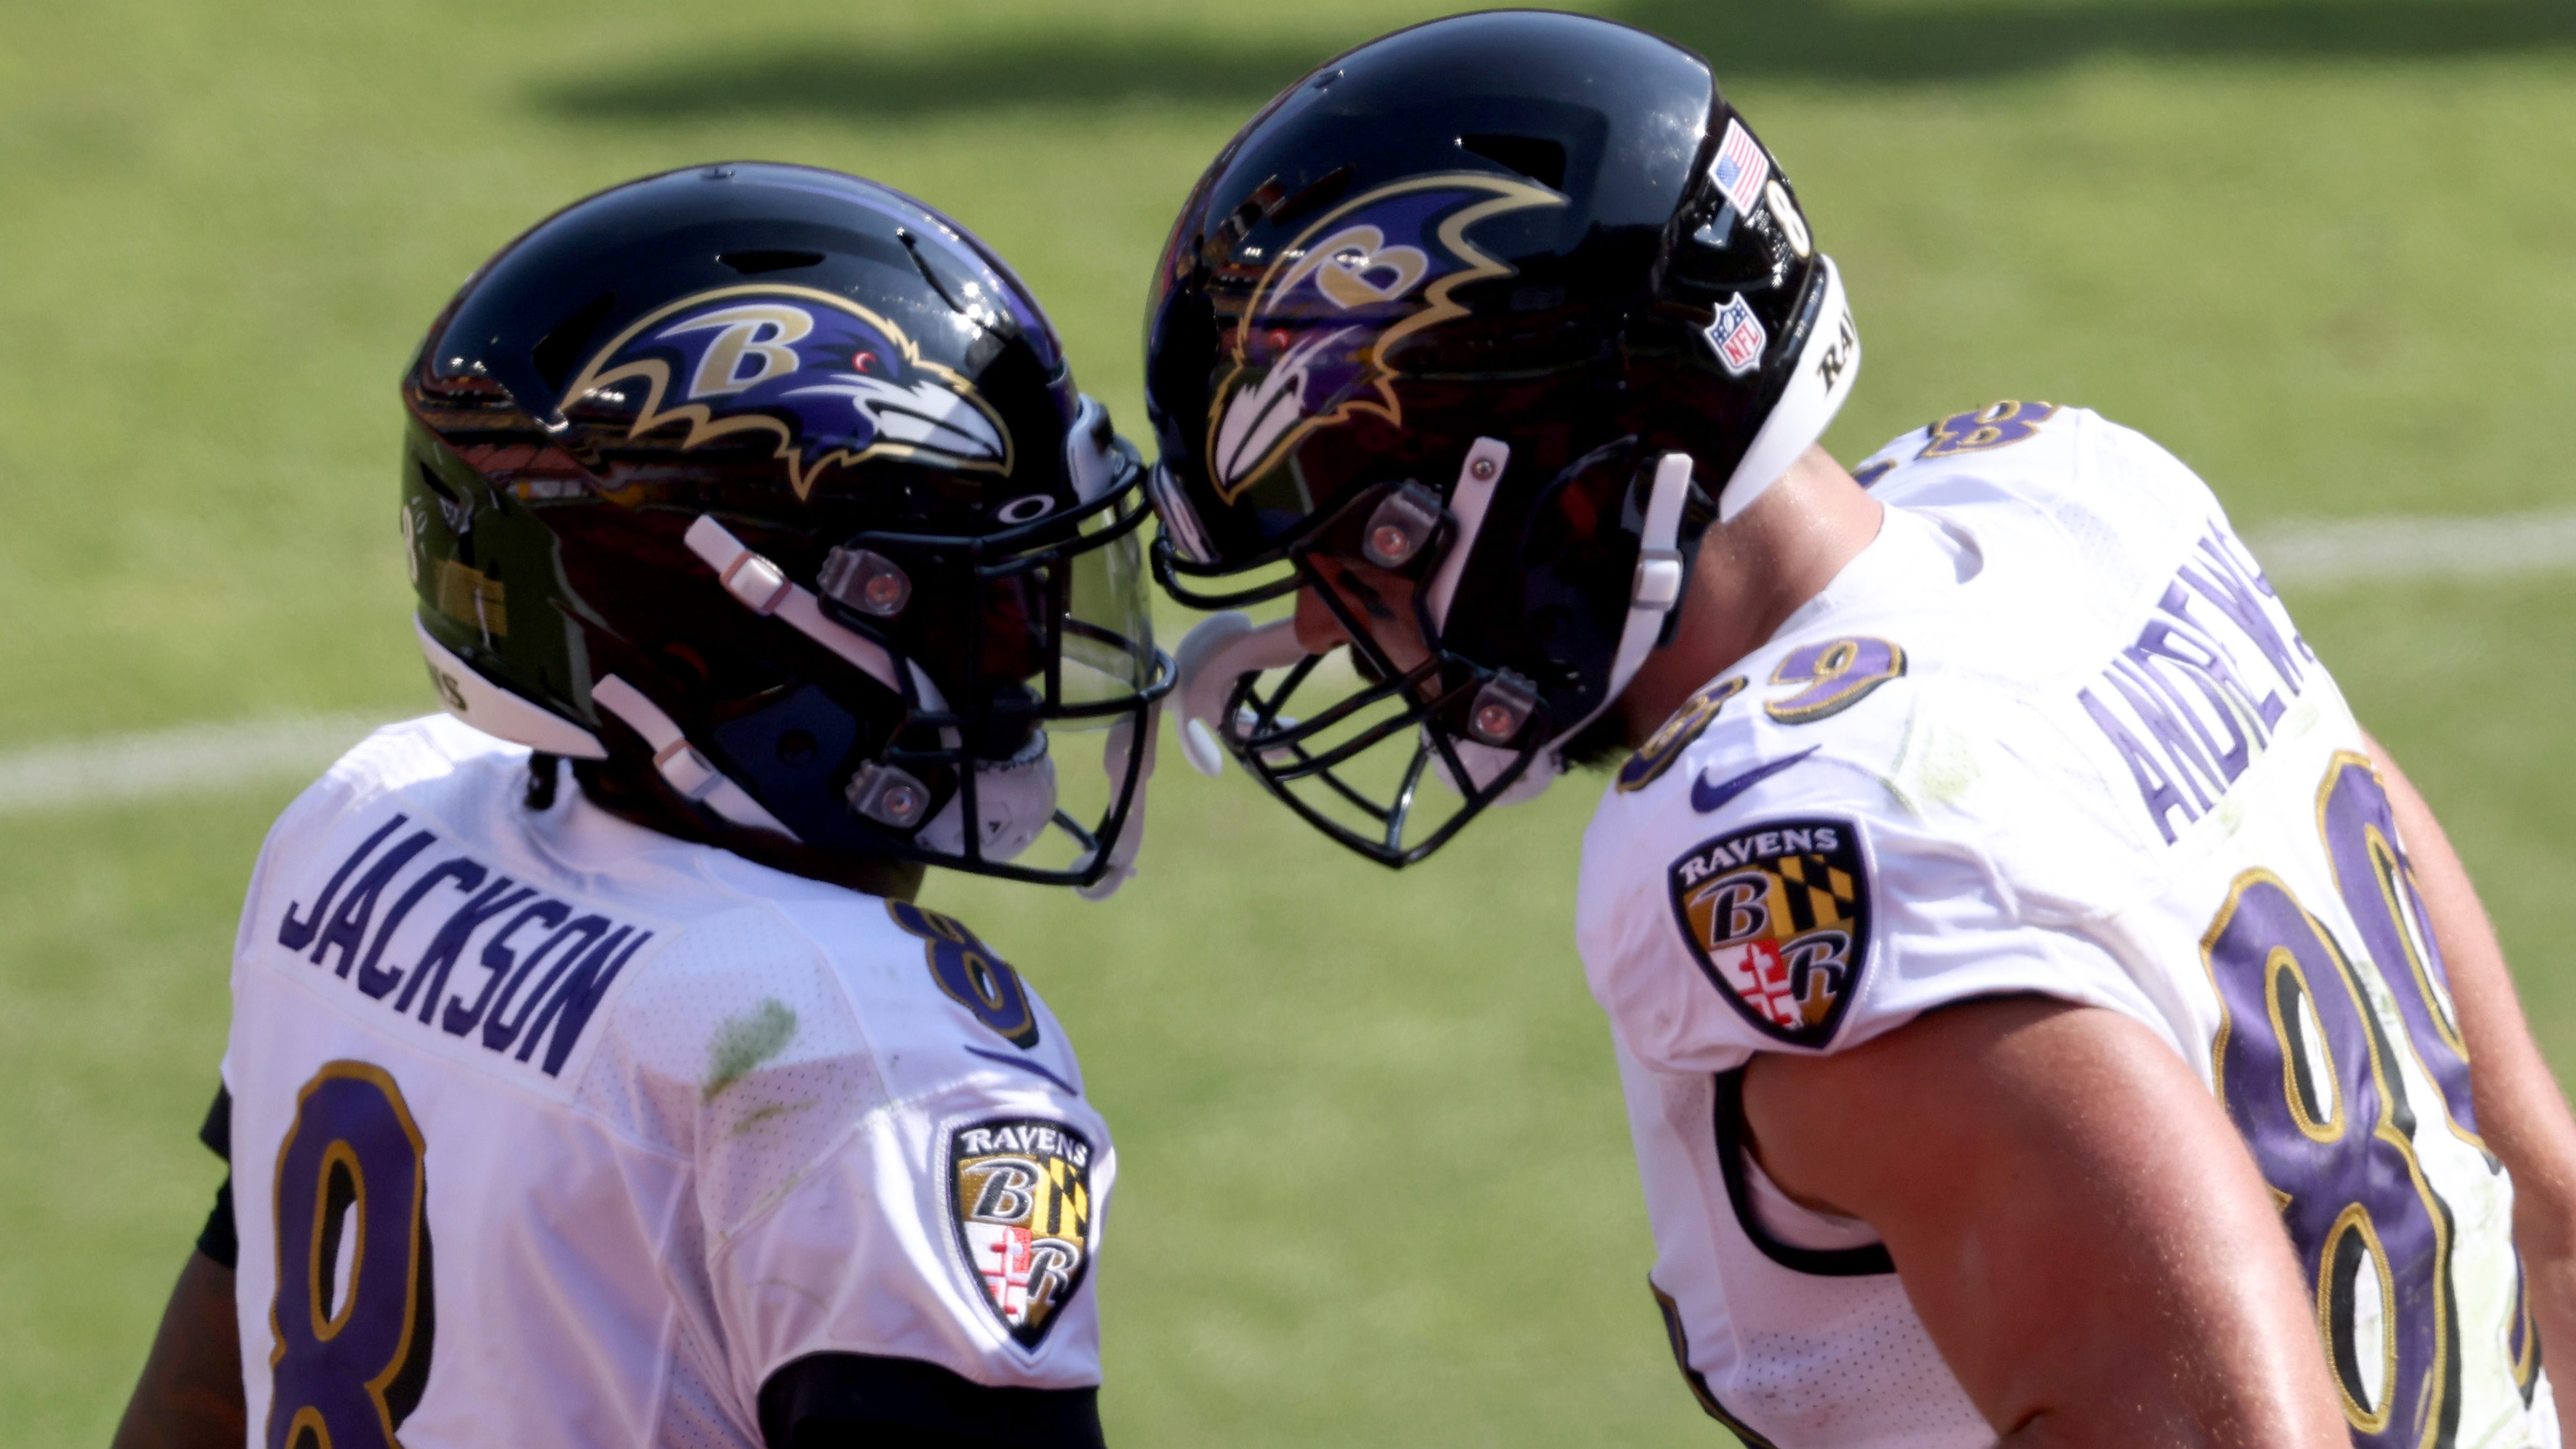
[1991, 850]
[190, 1395]
[2074, 1218]
[2521, 1110]
[586, 1035]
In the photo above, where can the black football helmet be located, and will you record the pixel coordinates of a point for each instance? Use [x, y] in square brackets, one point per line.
[1509, 306]
[769, 487]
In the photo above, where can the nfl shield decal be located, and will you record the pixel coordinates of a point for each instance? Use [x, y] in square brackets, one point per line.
[1020, 1192]
[1778, 916]
[1737, 337]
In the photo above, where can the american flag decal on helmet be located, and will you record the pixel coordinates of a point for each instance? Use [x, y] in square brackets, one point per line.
[1740, 167]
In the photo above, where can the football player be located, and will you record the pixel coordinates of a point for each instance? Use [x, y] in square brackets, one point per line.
[592, 1078]
[2045, 1015]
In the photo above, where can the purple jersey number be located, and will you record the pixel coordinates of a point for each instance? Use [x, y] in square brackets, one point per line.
[352, 1356]
[973, 974]
[2378, 887]
[2308, 1077]
[2311, 1078]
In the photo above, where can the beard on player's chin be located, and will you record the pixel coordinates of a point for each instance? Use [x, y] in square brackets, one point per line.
[1600, 744]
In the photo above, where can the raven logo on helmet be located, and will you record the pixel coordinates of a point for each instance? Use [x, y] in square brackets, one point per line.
[1316, 346]
[834, 383]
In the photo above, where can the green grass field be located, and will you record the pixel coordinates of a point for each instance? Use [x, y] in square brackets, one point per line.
[1375, 1186]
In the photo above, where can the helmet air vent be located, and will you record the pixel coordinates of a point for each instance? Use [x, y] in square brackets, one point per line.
[1322, 192]
[556, 353]
[754, 261]
[1536, 157]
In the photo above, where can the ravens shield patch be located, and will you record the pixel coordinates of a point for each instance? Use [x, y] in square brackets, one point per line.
[1020, 1194]
[1778, 916]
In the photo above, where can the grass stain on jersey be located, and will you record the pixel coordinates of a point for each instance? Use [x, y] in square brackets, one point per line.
[743, 1042]
[1937, 764]
[752, 1121]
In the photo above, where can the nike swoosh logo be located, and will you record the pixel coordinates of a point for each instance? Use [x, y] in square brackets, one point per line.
[1706, 797]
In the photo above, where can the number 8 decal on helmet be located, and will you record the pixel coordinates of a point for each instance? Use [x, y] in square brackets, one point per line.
[354, 1313]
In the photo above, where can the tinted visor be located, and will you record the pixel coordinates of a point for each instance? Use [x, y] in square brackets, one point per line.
[1038, 627]
[1065, 631]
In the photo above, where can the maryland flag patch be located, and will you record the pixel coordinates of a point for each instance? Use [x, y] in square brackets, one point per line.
[1020, 1192]
[1778, 916]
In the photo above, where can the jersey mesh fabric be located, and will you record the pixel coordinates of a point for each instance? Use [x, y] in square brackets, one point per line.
[742, 1049]
[2049, 578]
[1859, 1381]
[726, 1156]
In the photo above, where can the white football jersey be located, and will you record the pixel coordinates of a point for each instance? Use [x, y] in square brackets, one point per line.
[549, 1129]
[2053, 733]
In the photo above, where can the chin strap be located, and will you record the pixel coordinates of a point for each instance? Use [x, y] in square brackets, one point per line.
[691, 774]
[764, 588]
[1654, 591]
[1478, 477]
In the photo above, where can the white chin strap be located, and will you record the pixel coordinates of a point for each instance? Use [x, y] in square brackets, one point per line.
[1653, 591]
[1014, 799]
[693, 775]
[1221, 649]
[764, 588]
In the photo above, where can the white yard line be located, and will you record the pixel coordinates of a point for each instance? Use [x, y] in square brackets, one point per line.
[205, 759]
[198, 759]
[2390, 548]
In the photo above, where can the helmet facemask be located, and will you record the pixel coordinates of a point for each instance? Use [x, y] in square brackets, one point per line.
[1037, 641]
[1404, 696]
[989, 646]
[1447, 253]
[808, 551]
